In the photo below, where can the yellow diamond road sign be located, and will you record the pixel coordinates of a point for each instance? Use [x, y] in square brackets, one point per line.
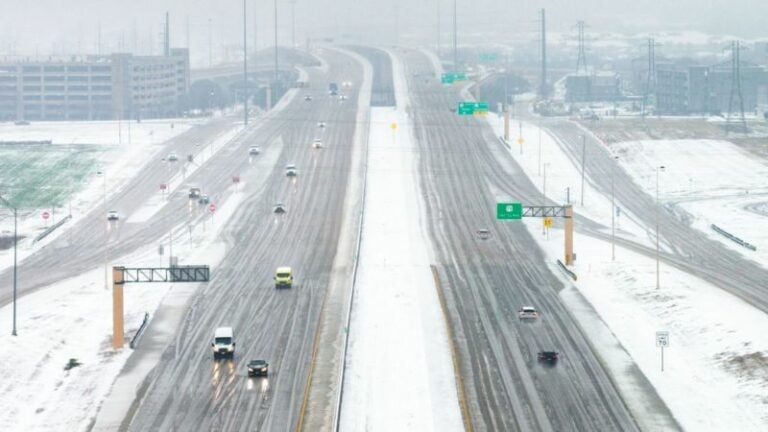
[520, 140]
[393, 126]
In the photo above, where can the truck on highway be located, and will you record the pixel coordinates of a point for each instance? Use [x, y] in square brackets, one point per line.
[223, 344]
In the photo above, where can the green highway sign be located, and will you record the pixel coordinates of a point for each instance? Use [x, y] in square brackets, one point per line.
[452, 77]
[489, 57]
[473, 108]
[506, 211]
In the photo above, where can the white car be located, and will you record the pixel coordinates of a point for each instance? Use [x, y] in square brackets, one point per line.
[343, 97]
[347, 84]
[173, 157]
[321, 125]
[317, 143]
[308, 98]
[254, 150]
[290, 170]
[113, 215]
[527, 312]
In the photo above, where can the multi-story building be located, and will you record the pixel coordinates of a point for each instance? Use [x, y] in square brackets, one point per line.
[95, 87]
[709, 89]
[602, 86]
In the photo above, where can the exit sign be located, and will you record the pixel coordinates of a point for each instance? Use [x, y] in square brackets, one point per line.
[473, 108]
[506, 211]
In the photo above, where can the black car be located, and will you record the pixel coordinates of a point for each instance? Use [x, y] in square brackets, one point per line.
[204, 199]
[258, 368]
[548, 356]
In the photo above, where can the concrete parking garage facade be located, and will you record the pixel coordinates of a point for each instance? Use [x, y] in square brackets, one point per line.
[118, 86]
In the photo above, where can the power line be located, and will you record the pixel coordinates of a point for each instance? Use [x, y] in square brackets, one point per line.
[736, 87]
[581, 61]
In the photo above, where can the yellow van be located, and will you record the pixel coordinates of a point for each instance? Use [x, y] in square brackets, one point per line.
[283, 277]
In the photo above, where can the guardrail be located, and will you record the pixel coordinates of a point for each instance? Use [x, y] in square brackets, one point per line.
[725, 233]
[135, 339]
[506, 144]
[50, 229]
[566, 270]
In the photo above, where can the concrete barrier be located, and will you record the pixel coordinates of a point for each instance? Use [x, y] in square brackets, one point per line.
[566, 270]
[732, 237]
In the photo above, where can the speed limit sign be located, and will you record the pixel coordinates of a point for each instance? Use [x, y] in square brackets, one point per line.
[212, 208]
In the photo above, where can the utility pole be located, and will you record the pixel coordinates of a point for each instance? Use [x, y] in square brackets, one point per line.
[167, 36]
[245, 63]
[543, 91]
[650, 84]
[187, 31]
[276, 74]
[438, 29]
[583, 162]
[210, 43]
[455, 40]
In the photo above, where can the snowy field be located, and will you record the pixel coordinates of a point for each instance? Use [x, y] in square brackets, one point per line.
[716, 369]
[118, 163]
[716, 182]
[399, 373]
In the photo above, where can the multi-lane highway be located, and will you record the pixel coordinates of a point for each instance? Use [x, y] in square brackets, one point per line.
[190, 391]
[487, 281]
[682, 245]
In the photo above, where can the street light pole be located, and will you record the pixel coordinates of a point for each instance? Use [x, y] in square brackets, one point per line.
[15, 241]
[544, 196]
[245, 64]
[613, 210]
[455, 40]
[583, 164]
[658, 169]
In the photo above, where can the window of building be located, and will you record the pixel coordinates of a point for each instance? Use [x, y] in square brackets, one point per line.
[54, 88]
[32, 88]
[78, 97]
[31, 69]
[78, 88]
[32, 97]
[101, 88]
[54, 68]
[101, 68]
[77, 68]
[32, 78]
[77, 78]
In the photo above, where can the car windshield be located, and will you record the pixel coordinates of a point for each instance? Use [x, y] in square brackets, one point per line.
[283, 275]
[223, 341]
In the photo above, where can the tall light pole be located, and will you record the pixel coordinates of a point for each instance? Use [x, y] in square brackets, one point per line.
[613, 212]
[106, 231]
[15, 241]
[583, 164]
[544, 195]
[275, 43]
[293, 24]
[438, 28]
[658, 169]
[245, 64]
[455, 40]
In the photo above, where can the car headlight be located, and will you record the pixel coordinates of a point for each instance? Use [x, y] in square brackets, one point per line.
[230, 349]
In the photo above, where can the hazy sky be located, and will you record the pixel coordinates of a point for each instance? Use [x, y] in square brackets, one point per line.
[68, 26]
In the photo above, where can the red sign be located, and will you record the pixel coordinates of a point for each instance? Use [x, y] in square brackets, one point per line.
[163, 186]
[236, 179]
[212, 208]
[46, 215]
